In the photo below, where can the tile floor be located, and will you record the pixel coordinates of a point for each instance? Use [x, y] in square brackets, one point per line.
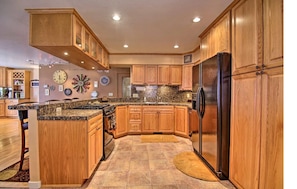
[136, 165]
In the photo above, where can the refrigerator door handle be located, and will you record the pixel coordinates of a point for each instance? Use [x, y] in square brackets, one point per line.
[203, 102]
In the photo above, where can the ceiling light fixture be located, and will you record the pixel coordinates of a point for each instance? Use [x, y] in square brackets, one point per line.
[176, 46]
[116, 17]
[196, 19]
[126, 46]
[66, 53]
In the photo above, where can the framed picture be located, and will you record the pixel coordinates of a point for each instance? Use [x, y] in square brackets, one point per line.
[35, 83]
[188, 58]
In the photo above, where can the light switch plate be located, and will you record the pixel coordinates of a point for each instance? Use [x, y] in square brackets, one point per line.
[110, 94]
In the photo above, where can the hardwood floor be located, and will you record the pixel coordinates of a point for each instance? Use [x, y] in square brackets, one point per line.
[10, 142]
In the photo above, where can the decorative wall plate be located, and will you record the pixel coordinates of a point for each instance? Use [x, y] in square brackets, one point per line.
[67, 91]
[104, 80]
[81, 83]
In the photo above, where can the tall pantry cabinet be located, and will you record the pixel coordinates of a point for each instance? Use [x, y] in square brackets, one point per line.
[256, 134]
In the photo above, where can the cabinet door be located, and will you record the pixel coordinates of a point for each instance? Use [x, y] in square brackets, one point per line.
[151, 74]
[163, 75]
[150, 119]
[137, 74]
[246, 36]
[9, 102]
[166, 119]
[121, 121]
[273, 33]
[2, 108]
[175, 73]
[187, 77]
[78, 33]
[272, 127]
[91, 151]
[222, 35]
[245, 130]
[3, 82]
[181, 121]
[99, 139]
[135, 119]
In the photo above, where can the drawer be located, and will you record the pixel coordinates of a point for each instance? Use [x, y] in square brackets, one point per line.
[135, 116]
[95, 122]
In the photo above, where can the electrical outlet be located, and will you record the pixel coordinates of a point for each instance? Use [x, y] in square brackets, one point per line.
[110, 94]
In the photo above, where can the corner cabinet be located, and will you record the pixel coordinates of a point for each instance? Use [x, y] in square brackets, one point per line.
[69, 150]
[57, 31]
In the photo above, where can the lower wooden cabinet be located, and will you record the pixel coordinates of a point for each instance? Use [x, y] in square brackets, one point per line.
[2, 107]
[134, 119]
[121, 121]
[69, 150]
[158, 119]
[256, 134]
[181, 121]
[9, 102]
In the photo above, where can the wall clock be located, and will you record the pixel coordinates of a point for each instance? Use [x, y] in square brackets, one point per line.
[60, 76]
[81, 83]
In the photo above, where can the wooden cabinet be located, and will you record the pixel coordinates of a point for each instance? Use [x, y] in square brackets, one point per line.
[257, 96]
[181, 121]
[121, 121]
[8, 78]
[169, 75]
[2, 107]
[151, 74]
[95, 143]
[186, 77]
[57, 31]
[10, 102]
[163, 74]
[273, 33]
[134, 119]
[67, 150]
[20, 84]
[3, 82]
[217, 38]
[137, 74]
[247, 36]
[158, 119]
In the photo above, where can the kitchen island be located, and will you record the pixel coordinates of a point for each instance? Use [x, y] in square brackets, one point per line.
[63, 144]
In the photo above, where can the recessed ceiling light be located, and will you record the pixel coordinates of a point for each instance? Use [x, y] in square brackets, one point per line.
[126, 46]
[66, 53]
[196, 19]
[82, 62]
[116, 17]
[176, 46]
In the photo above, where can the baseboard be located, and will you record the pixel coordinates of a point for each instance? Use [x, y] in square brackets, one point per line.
[34, 184]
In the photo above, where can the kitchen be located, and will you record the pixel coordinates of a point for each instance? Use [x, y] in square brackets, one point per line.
[202, 55]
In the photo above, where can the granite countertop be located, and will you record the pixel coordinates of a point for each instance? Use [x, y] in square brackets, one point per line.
[71, 114]
[189, 104]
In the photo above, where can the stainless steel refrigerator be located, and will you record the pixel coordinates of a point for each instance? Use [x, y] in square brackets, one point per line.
[210, 135]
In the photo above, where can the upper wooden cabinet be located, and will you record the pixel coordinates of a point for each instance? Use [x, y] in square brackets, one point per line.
[137, 74]
[247, 36]
[57, 31]
[3, 82]
[187, 77]
[156, 74]
[273, 33]
[217, 38]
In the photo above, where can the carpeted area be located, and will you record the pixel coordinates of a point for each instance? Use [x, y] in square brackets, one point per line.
[190, 164]
[12, 173]
[155, 138]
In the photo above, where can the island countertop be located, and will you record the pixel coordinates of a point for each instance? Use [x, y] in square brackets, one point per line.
[71, 114]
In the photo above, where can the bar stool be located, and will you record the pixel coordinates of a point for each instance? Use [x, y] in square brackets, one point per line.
[23, 117]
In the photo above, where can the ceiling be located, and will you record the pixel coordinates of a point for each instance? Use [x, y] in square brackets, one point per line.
[147, 26]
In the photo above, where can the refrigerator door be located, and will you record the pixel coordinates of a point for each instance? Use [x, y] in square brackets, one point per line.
[209, 134]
